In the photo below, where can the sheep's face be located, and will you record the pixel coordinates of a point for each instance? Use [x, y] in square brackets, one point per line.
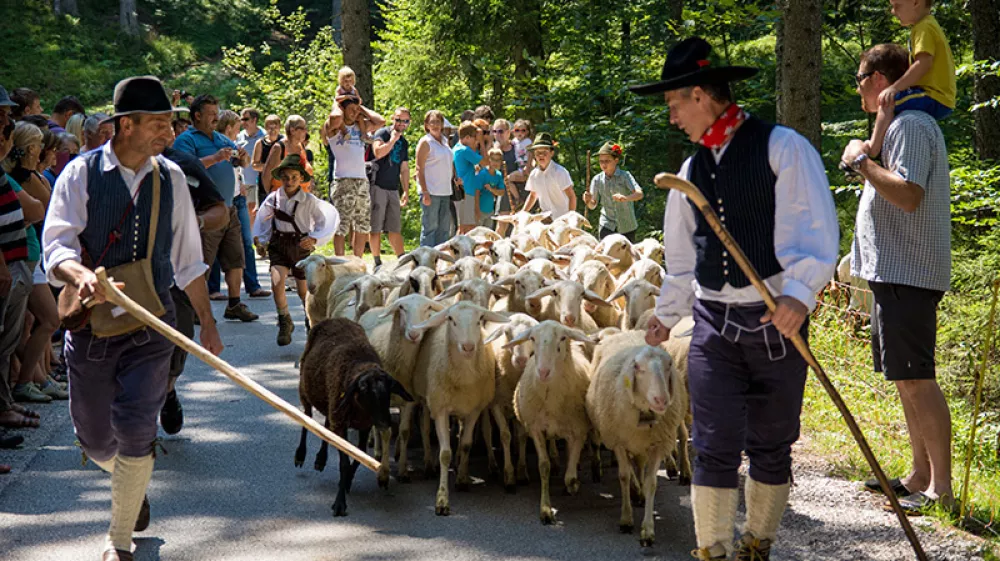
[640, 297]
[569, 297]
[372, 392]
[501, 270]
[597, 279]
[502, 251]
[424, 281]
[617, 246]
[464, 322]
[650, 375]
[552, 345]
[525, 283]
[317, 270]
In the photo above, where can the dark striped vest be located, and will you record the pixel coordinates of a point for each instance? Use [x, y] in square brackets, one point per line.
[740, 188]
[108, 198]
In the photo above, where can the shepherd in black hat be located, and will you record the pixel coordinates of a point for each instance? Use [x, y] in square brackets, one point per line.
[125, 205]
[768, 186]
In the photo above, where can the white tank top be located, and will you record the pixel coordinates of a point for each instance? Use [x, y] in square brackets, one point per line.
[349, 151]
[438, 167]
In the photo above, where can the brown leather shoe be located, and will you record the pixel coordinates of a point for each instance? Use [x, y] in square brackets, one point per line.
[117, 555]
[142, 522]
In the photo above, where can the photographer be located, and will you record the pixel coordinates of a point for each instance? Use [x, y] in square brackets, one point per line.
[221, 157]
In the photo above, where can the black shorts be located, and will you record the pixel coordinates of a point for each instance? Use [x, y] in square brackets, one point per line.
[904, 331]
[283, 251]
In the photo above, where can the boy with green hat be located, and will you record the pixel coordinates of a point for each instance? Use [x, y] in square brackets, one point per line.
[290, 223]
[616, 190]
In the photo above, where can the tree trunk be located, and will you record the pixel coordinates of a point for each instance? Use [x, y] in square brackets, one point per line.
[337, 24]
[676, 149]
[528, 53]
[800, 63]
[358, 46]
[68, 7]
[986, 46]
[128, 18]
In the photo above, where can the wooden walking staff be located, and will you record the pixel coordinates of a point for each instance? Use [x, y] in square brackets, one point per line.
[118, 298]
[671, 181]
[586, 186]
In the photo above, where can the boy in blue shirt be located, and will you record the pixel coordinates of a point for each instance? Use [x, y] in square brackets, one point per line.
[469, 153]
[491, 186]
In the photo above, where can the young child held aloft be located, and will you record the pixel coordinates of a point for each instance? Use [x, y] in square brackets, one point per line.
[616, 190]
[523, 135]
[289, 224]
[490, 187]
[929, 84]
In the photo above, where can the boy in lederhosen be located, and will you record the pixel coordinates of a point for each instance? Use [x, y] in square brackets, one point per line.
[288, 225]
[768, 186]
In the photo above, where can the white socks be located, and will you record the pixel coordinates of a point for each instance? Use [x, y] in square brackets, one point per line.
[714, 518]
[129, 480]
[765, 506]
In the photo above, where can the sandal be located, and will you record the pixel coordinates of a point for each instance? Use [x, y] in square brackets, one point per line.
[898, 489]
[25, 411]
[14, 419]
[4, 468]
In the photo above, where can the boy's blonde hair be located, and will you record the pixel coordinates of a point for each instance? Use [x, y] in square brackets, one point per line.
[227, 119]
[346, 72]
[495, 154]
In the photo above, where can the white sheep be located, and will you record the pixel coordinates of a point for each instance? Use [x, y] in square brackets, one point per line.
[320, 274]
[501, 270]
[521, 219]
[466, 268]
[521, 285]
[545, 268]
[550, 400]
[618, 247]
[420, 280]
[483, 234]
[424, 257]
[477, 291]
[369, 292]
[582, 254]
[455, 375]
[565, 304]
[501, 251]
[645, 269]
[391, 331]
[462, 246]
[595, 277]
[584, 239]
[640, 296]
[524, 241]
[561, 233]
[650, 249]
[635, 402]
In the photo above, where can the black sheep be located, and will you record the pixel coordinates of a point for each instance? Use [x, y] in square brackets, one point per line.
[342, 376]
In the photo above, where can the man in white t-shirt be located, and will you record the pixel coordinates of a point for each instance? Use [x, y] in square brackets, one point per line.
[349, 192]
[549, 183]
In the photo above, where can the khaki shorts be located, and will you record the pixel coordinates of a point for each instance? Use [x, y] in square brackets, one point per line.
[385, 210]
[225, 243]
[353, 201]
[467, 210]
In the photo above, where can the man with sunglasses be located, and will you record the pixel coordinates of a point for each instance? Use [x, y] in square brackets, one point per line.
[391, 187]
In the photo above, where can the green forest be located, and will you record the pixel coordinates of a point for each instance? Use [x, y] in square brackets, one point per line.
[566, 65]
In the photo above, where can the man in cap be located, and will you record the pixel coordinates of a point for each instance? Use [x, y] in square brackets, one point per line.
[768, 186]
[101, 213]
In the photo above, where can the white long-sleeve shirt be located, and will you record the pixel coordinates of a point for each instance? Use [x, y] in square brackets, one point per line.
[67, 218]
[806, 234]
[315, 217]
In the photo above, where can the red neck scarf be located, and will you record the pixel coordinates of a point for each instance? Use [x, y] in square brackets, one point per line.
[723, 129]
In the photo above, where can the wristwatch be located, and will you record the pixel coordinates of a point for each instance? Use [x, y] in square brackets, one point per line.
[856, 164]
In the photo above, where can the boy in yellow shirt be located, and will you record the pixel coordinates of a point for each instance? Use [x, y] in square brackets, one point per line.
[929, 84]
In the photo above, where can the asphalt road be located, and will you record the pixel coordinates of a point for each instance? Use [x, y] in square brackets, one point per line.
[227, 490]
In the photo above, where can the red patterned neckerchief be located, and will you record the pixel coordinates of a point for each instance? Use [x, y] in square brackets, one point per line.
[723, 129]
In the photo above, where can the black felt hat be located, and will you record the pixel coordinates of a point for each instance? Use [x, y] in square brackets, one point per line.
[688, 65]
[142, 94]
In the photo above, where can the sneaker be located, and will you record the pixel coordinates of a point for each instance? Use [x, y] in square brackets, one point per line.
[29, 393]
[285, 328]
[172, 414]
[54, 390]
[750, 548]
[241, 312]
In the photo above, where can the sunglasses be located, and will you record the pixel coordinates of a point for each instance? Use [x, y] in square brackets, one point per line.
[404, 121]
[861, 77]
[245, 119]
[499, 131]
[520, 130]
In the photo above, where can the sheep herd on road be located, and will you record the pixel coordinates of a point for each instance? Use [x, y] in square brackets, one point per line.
[538, 334]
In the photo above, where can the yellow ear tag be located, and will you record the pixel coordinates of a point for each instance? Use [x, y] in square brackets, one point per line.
[628, 383]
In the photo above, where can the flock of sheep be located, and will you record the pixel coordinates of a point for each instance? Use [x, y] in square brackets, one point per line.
[539, 333]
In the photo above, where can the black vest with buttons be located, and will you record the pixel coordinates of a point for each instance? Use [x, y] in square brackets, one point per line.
[740, 188]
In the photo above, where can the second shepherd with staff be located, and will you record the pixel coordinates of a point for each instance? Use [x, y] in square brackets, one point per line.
[616, 191]
[768, 186]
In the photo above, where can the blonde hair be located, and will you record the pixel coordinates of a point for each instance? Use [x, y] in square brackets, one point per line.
[227, 119]
[25, 134]
[346, 72]
[495, 154]
[294, 121]
[75, 125]
[502, 123]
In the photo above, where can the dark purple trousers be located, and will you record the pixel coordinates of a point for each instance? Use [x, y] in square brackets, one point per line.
[117, 386]
[746, 382]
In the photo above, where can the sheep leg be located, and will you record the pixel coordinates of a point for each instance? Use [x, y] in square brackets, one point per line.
[443, 426]
[522, 453]
[403, 442]
[340, 505]
[596, 469]
[321, 456]
[362, 444]
[425, 434]
[639, 468]
[683, 458]
[544, 470]
[463, 481]
[554, 455]
[509, 482]
[574, 448]
[300, 452]
[647, 534]
[625, 482]
[385, 437]
[487, 428]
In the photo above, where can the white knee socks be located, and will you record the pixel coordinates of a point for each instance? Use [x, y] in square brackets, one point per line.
[128, 488]
[765, 506]
[714, 518]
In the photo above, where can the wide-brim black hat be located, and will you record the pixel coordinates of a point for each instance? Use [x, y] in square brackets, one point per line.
[142, 94]
[688, 65]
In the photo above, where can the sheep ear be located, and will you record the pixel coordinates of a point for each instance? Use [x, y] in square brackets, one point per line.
[560, 258]
[506, 281]
[560, 273]
[450, 270]
[541, 292]
[617, 294]
[485, 243]
[591, 296]
[399, 390]
[346, 289]
[302, 264]
[587, 224]
[451, 291]
[414, 285]
[499, 290]
[495, 317]
[433, 321]
[540, 216]
[391, 309]
[393, 282]
[507, 218]
[444, 256]
[497, 333]
[518, 254]
[578, 335]
[335, 261]
[606, 259]
[408, 258]
[518, 339]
